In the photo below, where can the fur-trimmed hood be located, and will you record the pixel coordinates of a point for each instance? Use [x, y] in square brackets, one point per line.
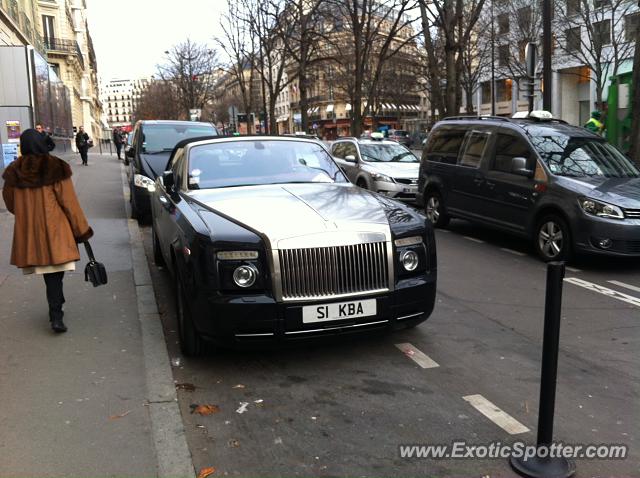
[36, 170]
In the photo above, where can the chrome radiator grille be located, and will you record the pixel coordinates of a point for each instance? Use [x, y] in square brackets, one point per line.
[333, 271]
[632, 213]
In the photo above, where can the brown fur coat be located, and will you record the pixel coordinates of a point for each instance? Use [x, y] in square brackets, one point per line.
[49, 221]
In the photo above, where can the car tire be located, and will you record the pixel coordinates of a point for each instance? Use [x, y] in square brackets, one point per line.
[434, 209]
[552, 239]
[157, 252]
[191, 344]
[362, 183]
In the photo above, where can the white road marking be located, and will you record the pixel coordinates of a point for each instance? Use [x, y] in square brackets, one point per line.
[604, 291]
[479, 241]
[418, 357]
[626, 286]
[572, 269]
[511, 251]
[497, 416]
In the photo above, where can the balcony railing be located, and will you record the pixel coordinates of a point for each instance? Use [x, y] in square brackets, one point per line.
[66, 46]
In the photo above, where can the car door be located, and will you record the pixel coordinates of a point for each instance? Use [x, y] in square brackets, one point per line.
[467, 192]
[340, 152]
[509, 196]
[166, 207]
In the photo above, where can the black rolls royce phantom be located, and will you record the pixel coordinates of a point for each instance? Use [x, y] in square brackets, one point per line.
[267, 240]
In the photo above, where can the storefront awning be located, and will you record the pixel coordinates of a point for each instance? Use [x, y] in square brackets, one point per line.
[347, 107]
[282, 118]
[329, 108]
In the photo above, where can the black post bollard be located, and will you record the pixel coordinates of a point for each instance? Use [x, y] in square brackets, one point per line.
[548, 467]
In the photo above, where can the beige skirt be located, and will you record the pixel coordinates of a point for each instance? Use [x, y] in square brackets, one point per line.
[67, 266]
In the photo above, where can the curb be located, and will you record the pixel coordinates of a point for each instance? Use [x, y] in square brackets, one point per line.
[169, 439]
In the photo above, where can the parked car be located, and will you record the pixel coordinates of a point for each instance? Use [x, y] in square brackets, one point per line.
[562, 187]
[268, 241]
[401, 136]
[149, 152]
[380, 165]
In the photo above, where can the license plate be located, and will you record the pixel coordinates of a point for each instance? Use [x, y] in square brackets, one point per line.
[339, 311]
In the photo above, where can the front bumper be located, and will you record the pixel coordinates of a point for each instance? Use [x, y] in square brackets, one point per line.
[400, 191]
[260, 319]
[624, 236]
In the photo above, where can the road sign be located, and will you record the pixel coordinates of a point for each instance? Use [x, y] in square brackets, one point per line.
[531, 55]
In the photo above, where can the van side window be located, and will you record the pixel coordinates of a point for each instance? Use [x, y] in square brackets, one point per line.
[474, 149]
[508, 147]
[444, 145]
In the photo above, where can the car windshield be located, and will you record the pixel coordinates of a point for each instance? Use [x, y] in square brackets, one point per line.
[163, 137]
[259, 162]
[387, 153]
[400, 132]
[583, 157]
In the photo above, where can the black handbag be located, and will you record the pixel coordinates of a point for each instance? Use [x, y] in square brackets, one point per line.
[94, 271]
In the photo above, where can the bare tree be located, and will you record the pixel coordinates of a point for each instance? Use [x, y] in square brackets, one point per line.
[592, 33]
[371, 33]
[241, 47]
[476, 58]
[451, 21]
[302, 30]
[159, 101]
[190, 68]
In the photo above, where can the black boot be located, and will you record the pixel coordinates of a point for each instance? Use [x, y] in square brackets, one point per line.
[57, 325]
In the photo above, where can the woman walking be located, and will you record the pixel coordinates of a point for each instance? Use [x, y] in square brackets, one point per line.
[49, 222]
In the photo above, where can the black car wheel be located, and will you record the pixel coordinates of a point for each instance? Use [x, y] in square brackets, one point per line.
[553, 239]
[191, 343]
[157, 252]
[434, 209]
[361, 183]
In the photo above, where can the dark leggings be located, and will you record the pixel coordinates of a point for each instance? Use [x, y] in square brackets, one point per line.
[84, 154]
[55, 297]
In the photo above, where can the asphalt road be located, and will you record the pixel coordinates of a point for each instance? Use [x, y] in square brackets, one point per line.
[343, 409]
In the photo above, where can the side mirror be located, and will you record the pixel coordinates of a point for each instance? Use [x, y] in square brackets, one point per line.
[519, 167]
[350, 158]
[168, 180]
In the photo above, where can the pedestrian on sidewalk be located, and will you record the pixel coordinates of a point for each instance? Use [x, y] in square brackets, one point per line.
[82, 143]
[49, 221]
[118, 140]
[46, 136]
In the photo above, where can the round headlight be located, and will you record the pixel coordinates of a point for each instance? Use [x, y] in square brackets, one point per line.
[409, 260]
[245, 276]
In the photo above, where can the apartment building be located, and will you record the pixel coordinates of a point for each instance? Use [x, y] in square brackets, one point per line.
[591, 41]
[120, 97]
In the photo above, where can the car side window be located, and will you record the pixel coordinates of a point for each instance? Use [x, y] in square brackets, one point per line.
[338, 150]
[474, 149]
[443, 145]
[510, 146]
[176, 167]
[350, 149]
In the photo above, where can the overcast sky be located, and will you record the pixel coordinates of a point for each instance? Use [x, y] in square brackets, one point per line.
[130, 37]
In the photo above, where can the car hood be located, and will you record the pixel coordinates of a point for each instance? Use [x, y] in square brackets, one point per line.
[623, 192]
[302, 215]
[156, 163]
[396, 170]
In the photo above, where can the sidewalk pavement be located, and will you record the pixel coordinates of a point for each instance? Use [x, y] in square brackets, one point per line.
[86, 403]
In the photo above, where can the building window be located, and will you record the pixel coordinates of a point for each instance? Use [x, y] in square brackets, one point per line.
[573, 39]
[524, 19]
[504, 90]
[48, 30]
[503, 55]
[503, 23]
[573, 7]
[631, 26]
[601, 3]
[56, 68]
[602, 33]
